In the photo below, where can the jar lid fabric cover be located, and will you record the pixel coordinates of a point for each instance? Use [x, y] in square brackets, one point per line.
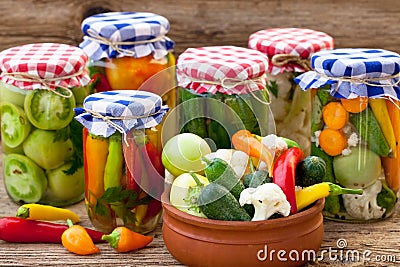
[293, 41]
[128, 109]
[354, 72]
[225, 69]
[44, 66]
[143, 34]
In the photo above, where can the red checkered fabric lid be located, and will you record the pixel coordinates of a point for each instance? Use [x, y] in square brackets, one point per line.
[44, 66]
[293, 41]
[225, 69]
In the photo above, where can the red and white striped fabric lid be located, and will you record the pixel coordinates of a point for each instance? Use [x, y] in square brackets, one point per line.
[225, 69]
[44, 66]
[292, 41]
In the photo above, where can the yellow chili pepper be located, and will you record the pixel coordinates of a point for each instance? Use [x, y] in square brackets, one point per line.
[310, 194]
[34, 211]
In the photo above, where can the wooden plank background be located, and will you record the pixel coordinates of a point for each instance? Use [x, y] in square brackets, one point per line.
[362, 23]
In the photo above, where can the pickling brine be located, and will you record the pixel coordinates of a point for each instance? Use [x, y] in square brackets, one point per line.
[355, 129]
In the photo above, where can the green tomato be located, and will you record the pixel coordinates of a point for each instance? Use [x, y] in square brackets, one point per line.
[24, 180]
[360, 169]
[63, 187]
[15, 125]
[45, 150]
[179, 192]
[12, 94]
[47, 110]
[80, 93]
[183, 152]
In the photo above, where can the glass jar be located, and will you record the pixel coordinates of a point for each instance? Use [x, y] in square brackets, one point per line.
[41, 84]
[355, 128]
[221, 90]
[122, 155]
[288, 51]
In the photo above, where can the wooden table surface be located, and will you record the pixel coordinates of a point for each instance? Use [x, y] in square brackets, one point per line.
[379, 241]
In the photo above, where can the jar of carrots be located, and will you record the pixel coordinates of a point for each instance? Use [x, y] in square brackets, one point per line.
[124, 175]
[355, 128]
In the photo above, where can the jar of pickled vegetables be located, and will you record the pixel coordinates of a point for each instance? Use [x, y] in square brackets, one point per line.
[355, 128]
[122, 155]
[222, 90]
[40, 86]
[288, 51]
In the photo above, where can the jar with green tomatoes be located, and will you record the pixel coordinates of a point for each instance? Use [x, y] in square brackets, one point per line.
[40, 86]
[289, 51]
[355, 128]
[222, 90]
[124, 175]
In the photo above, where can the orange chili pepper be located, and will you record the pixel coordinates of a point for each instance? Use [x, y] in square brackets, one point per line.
[76, 240]
[124, 240]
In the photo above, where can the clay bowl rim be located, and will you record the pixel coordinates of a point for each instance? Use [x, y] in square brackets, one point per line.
[297, 218]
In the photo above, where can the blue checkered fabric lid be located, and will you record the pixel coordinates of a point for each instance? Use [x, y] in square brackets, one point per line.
[353, 72]
[119, 34]
[120, 110]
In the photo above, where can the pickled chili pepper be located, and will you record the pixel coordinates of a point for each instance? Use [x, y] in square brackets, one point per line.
[245, 141]
[284, 174]
[18, 230]
[100, 82]
[133, 166]
[85, 133]
[34, 211]
[124, 240]
[113, 169]
[153, 208]
[76, 240]
[96, 156]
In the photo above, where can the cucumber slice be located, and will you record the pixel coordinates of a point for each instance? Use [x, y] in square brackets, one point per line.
[15, 125]
[24, 180]
[48, 111]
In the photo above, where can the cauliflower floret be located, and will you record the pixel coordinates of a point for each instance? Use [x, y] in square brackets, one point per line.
[238, 160]
[365, 206]
[352, 140]
[274, 143]
[267, 200]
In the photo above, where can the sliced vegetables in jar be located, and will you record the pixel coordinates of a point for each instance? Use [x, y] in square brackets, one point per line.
[359, 138]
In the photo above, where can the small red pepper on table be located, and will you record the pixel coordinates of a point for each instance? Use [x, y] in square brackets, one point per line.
[284, 174]
[18, 230]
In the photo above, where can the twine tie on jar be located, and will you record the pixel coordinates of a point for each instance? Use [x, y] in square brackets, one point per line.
[115, 45]
[231, 83]
[366, 81]
[108, 119]
[280, 60]
[46, 82]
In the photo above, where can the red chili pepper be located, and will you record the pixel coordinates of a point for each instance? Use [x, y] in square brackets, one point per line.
[100, 82]
[85, 168]
[153, 208]
[133, 166]
[17, 230]
[284, 174]
[155, 169]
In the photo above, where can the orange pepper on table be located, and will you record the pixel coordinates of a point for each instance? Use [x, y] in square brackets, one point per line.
[76, 240]
[124, 240]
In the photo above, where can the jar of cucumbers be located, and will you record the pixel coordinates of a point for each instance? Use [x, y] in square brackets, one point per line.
[288, 51]
[41, 84]
[355, 128]
[222, 90]
[124, 175]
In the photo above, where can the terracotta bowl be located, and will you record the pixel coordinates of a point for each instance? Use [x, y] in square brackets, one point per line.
[290, 241]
